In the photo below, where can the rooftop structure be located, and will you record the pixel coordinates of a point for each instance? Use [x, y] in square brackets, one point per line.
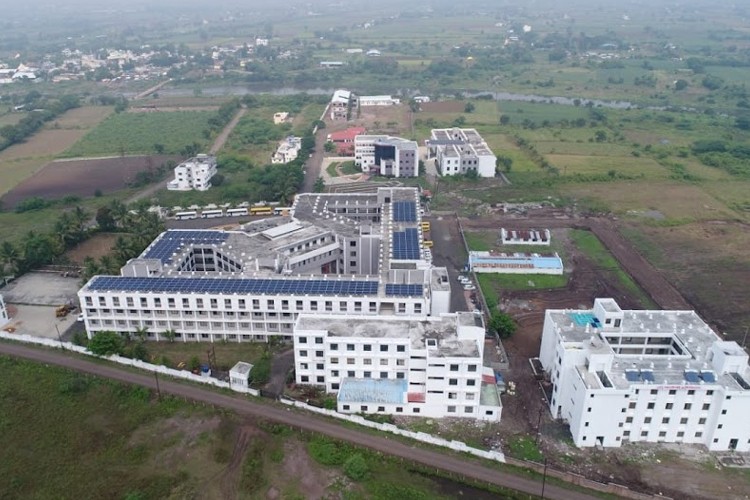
[337, 253]
[378, 100]
[515, 263]
[657, 376]
[239, 375]
[427, 366]
[280, 117]
[525, 236]
[460, 151]
[4, 319]
[194, 174]
[386, 155]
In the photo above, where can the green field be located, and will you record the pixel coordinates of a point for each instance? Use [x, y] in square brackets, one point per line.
[132, 133]
[114, 441]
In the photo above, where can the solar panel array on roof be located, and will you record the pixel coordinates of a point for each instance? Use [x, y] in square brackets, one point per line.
[647, 375]
[692, 376]
[708, 376]
[404, 211]
[230, 286]
[172, 241]
[632, 375]
[400, 290]
[406, 244]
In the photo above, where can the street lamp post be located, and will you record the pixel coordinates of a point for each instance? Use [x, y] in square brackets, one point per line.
[158, 390]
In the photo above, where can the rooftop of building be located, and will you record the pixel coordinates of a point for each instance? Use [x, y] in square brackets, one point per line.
[346, 135]
[242, 368]
[419, 332]
[455, 142]
[665, 348]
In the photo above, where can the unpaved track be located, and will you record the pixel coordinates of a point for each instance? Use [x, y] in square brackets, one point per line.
[305, 422]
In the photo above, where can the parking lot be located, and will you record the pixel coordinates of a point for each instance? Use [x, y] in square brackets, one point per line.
[448, 251]
[32, 300]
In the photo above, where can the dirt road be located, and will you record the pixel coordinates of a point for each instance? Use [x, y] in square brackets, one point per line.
[465, 468]
[224, 135]
[648, 278]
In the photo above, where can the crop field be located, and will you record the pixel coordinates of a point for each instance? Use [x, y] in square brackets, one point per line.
[138, 133]
[627, 165]
[537, 113]
[82, 177]
[20, 161]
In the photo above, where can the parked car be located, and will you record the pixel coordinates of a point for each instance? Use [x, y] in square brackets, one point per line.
[469, 287]
[80, 317]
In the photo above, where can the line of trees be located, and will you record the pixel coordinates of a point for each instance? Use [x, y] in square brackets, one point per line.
[42, 111]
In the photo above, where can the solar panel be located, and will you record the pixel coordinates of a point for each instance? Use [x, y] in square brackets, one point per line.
[231, 286]
[404, 211]
[406, 244]
[692, 376]
[401, 290]
[632, 375]
[172, 241]
[708, 376]
[647, 375]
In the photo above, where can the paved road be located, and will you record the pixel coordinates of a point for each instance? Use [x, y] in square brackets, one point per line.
[306, 422]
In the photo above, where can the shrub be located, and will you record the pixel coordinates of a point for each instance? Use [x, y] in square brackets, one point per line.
[356, 467]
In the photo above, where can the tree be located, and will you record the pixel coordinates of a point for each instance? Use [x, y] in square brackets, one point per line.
[680, 84]
[742, 122]
[159, 148]
[600, 136]
[469, 108]
[329, 147]
[169, 334]
[504, 162]
[104, 219]
[106, 344]
[320, 185]
[502, 324]
[504, 120]
[10, 257]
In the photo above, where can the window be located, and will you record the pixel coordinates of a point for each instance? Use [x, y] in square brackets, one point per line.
[723, 412]
[367, 361]
[469, 409]
[710, 393]
[334, 361]
[454, 368]
[334, 347]
[472, 368]
[698, 434]
[383, 374]
[399, 409]
[381, 408]
[363, 408]
[400, 375]
[654, 392]
[651, 406]
[451, 409]
[334, 373]
[303, 354]
[302, 340]
[319, 354]
[383, 362]
[453, 381]
[665, 420]
[319, 366]
[662, 434]
[669, 406]
[644, 434]
[647, 420]
[415, 410]
[335, 387]
[471, 382]
[629, 420]
[349, 361]
[367, 347]
[350, 373]
[384, 348]
[400, 348]
[318, 340]
[688, 406]
[701, 421]
[349, 347]
[305, 378]
[691, 392]
[368, 374]
[683, 421]
[672, 392]
[400, 362]
[632, 405]
[706, 406]
[321, 379]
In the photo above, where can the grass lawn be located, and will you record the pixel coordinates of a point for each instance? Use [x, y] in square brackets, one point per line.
[525, 448]
[227, 353]
[499, 282]
[346, 167]
[132, 133]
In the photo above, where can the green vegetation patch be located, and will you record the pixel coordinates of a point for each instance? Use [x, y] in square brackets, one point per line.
[525, 448]
[498, 282]
[138, 133]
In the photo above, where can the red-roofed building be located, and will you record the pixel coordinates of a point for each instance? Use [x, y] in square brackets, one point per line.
[344, 140]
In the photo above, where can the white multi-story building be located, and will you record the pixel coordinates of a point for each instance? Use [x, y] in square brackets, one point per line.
[4, 319]
[655, 376]
[288, 150]
[386, 155]
[460, 151]
[194, 173]
[428, 366]
[341, 104]
[337, 254]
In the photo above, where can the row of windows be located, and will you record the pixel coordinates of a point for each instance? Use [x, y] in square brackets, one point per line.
[208, 336]
[192, 325]
[256, 304]
[352, 347]
[415, 410]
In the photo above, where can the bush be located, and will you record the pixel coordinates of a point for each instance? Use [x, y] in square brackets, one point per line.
[356, 467]
[106, 343]
[502, 324]
[327, 452]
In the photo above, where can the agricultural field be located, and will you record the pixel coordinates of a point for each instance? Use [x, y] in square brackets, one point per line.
[144, 133]
[20, 161]
[170, 448]
[84, 178]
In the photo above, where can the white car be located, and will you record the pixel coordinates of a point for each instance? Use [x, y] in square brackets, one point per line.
[80, 317]
[469, 287]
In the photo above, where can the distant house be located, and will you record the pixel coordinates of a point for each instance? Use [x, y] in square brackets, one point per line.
[341, 102]
[354, 51]
[373, 53]
[421, 99]
[344, 140]
[378, 100]
[194, 173]
[261, 42]
[287, 151]
[281, 117]
[331, 64]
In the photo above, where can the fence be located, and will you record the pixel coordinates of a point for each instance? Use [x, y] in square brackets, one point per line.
[419, 436]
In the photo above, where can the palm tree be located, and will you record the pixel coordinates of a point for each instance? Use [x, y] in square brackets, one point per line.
[119, 211]
[142, 333]
[169, 334]
[10, 257]
[123, 250]
[64, 229]
[80, 219]
[108, 264]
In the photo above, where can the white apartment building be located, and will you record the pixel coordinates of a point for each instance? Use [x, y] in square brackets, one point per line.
[460, 151]
[4, 319]
[336, 254]
[341, 103]
[656, 376]
[288, 150]
[386, 155]
[194, 173]
[428, 366]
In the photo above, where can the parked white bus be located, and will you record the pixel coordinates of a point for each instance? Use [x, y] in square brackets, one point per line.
[282, 210]
[236, 212]
[210, 214]
[186, 215]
